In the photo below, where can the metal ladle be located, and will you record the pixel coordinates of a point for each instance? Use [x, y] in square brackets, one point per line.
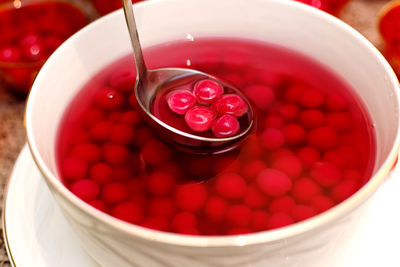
[149, 82]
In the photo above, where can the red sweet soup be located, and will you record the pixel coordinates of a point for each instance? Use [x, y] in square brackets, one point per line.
[313, 146]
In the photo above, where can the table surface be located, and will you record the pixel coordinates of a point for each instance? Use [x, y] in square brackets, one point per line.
[360, 14]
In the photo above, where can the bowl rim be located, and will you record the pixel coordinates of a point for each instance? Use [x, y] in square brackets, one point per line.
[159, 237]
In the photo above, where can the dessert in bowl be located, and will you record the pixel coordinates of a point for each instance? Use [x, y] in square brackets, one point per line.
[325, 138]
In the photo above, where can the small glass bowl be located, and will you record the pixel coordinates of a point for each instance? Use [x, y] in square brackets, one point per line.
[30, 31]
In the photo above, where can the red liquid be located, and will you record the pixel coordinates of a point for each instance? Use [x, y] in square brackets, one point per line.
[313, 147]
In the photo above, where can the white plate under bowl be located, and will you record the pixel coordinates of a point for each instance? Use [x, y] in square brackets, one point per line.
[35, 231]
[37, 235]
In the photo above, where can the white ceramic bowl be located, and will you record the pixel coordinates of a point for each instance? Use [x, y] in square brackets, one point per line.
[115, 243]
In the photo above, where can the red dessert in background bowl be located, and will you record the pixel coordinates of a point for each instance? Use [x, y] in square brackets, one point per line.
[333, 7]
[324, 142]
[106, 6]
[30, 31]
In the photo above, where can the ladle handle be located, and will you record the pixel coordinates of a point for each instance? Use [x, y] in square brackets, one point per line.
[137, 48]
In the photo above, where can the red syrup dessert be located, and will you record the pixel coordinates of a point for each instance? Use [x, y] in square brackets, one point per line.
[313, 146]
[387, 26]
[30, 32]
[333, 7]
[107, 6]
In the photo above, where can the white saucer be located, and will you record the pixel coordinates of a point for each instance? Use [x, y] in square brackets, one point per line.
[37, 235]
[35, 231]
